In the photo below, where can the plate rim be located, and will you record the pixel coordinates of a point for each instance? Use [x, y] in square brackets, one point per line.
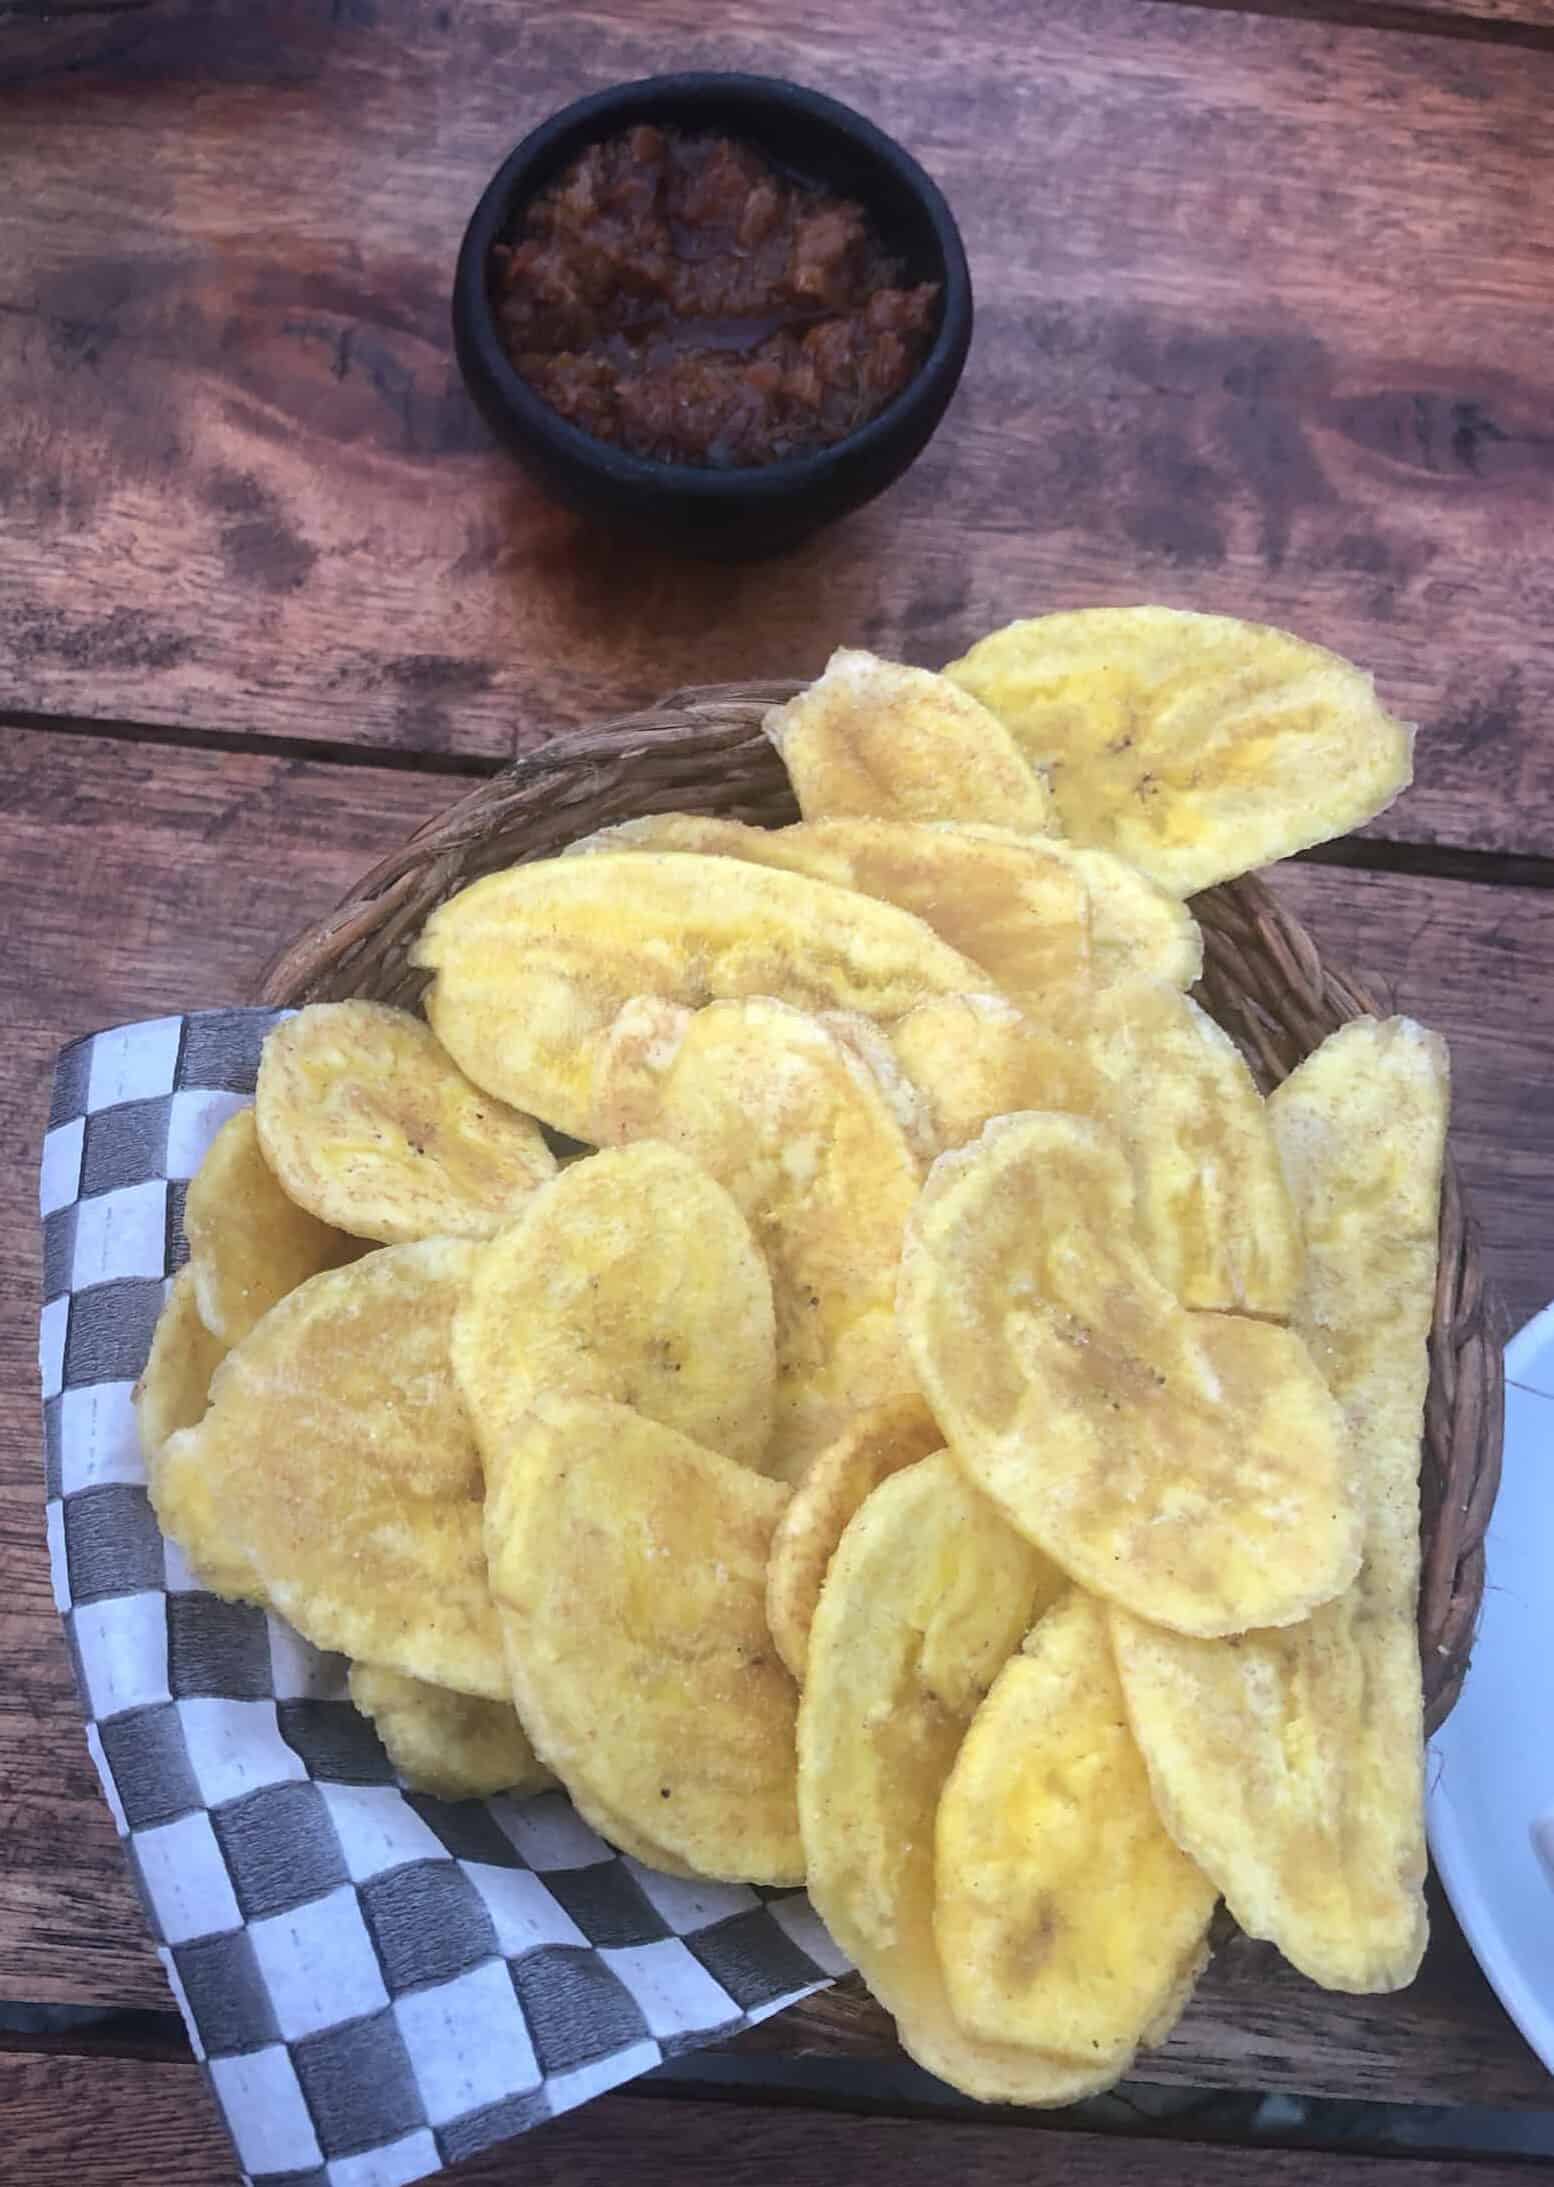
[1454, 1863]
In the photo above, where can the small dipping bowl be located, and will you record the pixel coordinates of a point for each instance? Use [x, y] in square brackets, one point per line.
[748, 510]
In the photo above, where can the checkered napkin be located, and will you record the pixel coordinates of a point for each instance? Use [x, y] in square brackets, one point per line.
[378, 1983]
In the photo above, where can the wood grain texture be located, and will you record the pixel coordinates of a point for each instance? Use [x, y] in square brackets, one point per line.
[1521, 21]
[1535, 14]
[183, 867]
[1237, 276]
[65, 2122]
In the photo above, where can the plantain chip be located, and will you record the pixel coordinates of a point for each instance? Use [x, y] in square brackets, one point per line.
[800, 1131]
[1065, 1917]
[1214, 1212]
[1192, 1467]
[1034, 914]
[1195, 745]
[532, 965]
[1361, 1130]
[874, 1046]
[974, 1057]
[1138, 930]
[871, 739]
[369, 1126]
[878, 1442]
[335, 1474]
[611, 1283]
[1290, 1764]
[174, 1386]
[448, 1744]
[926, 1597]
[630, 1568]
[249, 1245]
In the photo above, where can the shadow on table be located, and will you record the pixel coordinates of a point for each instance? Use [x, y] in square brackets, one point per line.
[1135, 2108]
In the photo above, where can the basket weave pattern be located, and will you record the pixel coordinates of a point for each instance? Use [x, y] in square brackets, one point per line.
[702, 751]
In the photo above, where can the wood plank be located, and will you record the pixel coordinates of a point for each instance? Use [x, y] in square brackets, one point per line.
[1233, 274]
[1514, 20]
[1532, 14]
[1537, 14]
[135, 879]
[64, 2120]
[38, 40]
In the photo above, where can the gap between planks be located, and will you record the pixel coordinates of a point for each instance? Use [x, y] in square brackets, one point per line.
[759, 2080]
[1532, 26]
[1373, 853]
[65, 2121]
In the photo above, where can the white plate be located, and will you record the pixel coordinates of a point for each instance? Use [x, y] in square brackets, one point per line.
[1491, 1776]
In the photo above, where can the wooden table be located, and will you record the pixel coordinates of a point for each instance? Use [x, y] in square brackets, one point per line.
[1264, 305]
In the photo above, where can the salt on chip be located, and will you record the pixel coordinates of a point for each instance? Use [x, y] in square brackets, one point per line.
[630, 1567]
[533, 964]
[1290, 1764]
[337, 1466]
[249, 1245]
[1017, 908]
[632, 1276]
[873, 739]
[878, 1442]
[1033, 913]
[174, 1386]
[926, 1598]
[1214, 1212]
[874, 1047]
[1192, 1467]
[635, 1844]
[1361, 1130]
[800, 1131]
[1065, 1916]
[171, 1398]
[974, 1057]
[626, 1838]
[1196, 746]
[1036, 914]
[447, 1744]
[370, 1126]
[1138, 930]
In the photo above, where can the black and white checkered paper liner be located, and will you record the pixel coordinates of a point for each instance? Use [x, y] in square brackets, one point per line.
[378, 1983]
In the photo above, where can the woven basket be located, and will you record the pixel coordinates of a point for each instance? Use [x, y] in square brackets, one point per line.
[702, 751]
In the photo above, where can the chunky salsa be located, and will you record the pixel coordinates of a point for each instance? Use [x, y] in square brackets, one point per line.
[679, 296]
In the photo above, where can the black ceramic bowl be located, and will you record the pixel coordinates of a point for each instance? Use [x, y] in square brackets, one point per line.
[751, 510]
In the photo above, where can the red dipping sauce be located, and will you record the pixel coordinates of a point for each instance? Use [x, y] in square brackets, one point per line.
[681, 297]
